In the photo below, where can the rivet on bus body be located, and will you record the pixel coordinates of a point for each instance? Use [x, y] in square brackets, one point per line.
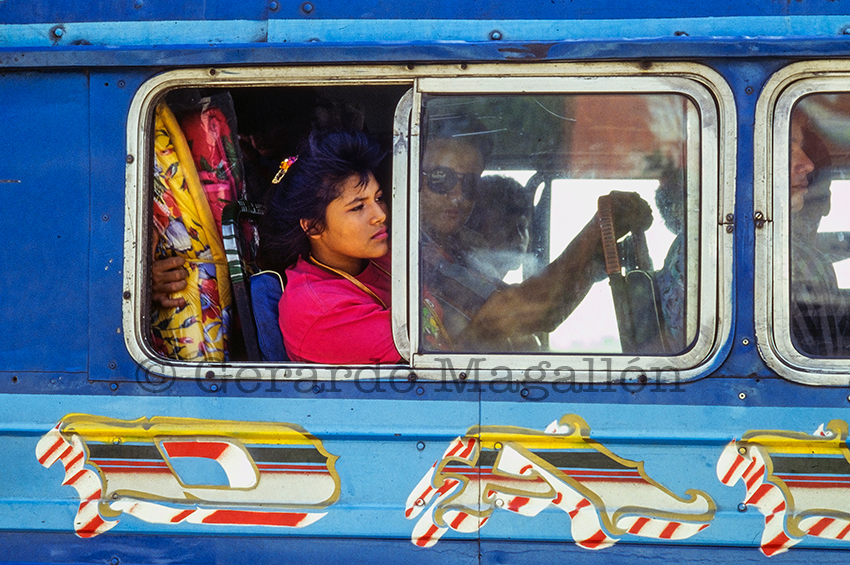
[420, 391]
[115, 561]
[411, 378]
[495, 35]
[127, 295]
[745, 341]
[113, 364]
[116, 441]
[730, 228]
[130, 159]
[742, 507]
[420, 502]
[500, 502]
[273, 6]
[113, 386]
[57, 32]
[462, 376]
[317, 389]
[307, 7]
[742, 450]
[105, 217]
[138, 4]
[749, 90]
[213, 388]
[846, 30]
[209, 375]
[420, 445]
[742, 395]
[524, 393]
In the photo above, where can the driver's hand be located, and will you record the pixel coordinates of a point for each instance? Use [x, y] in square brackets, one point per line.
[631, 212]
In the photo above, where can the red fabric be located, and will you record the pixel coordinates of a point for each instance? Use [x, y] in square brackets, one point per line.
[325, 318]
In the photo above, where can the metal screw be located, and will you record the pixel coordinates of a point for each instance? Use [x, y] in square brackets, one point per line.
[730, 228]
[758, 216]
[749, 90]
[742, 507]
[113, 386]
[745, 341]
[462, 376]
[138, 4]
[317, 389]
[213, 388]
[57, 32]
[495, 35]
[130, 159]
[500, 502]
[209, 375]
[105, 217]
[742, 395]
[212, 72]
[112, 364]
[420, 502]
[307, 7]
[411, 378]
[524, 393]
[742, 450]
[420, 391]
[115, 561]
[273, 6]
[121, 84]
[729, 217]
[420, 446]
[127, 295]
[642, 379]
[116, 441]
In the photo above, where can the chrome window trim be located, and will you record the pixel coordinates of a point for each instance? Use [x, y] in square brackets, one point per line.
[706, 85]
[772, 267]
[714, 100]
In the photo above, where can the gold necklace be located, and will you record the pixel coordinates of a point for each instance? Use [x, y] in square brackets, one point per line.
[356, 283]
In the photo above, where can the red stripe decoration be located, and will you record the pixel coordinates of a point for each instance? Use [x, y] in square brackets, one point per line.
[518, 502]
[59, 442]
[820, 526]
[595, 540]
[204, 449]
[776, 545]
[737, 463]
[426, 537]
[843, 532]
[253, 518]
[182, 516]
[668, 532]
[459, 520]
[638, 525]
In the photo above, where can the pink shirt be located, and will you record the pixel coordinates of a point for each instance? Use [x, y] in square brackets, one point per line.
[325, 318]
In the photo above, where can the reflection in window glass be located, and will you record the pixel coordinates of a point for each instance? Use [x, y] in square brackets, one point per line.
[819, 159]
[512, 252]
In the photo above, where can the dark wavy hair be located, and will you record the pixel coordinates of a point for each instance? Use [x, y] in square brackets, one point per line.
[325, 161]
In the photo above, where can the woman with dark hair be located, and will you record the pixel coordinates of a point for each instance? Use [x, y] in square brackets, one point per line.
[325, 231]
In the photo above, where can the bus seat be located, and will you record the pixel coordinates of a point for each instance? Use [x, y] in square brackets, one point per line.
[239, 265]
[266, 290]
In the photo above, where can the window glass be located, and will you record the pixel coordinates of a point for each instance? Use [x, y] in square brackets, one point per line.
[819, 196]
[512, 256]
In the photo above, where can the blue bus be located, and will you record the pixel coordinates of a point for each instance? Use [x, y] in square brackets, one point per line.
[684, 397]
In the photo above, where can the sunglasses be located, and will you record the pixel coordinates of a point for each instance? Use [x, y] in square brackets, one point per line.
[442, 180]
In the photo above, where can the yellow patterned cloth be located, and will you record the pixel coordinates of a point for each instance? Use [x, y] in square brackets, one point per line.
[186, 227]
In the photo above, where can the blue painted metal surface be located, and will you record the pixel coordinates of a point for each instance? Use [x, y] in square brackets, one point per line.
[64, 99]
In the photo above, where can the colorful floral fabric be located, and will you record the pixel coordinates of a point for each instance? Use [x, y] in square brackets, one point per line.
[187, 221]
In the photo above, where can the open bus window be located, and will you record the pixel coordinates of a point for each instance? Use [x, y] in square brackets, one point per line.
[819, 197]
[511, 256]
[212, 147]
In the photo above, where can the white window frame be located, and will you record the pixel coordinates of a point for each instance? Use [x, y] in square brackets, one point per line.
[771, 199]
[712, 96]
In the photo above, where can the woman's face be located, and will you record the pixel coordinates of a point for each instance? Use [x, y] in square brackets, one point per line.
[444, 213]
[355, 227]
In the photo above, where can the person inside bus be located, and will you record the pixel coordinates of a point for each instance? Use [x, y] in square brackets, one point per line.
[818, 312]
[462, 308]
[496, 237]
[325, 230]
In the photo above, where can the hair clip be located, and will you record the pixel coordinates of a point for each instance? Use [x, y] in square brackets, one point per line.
[284, 167]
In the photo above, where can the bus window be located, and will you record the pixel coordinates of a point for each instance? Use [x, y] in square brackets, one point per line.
[804, 250]
[211, 147]
[511, 254]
